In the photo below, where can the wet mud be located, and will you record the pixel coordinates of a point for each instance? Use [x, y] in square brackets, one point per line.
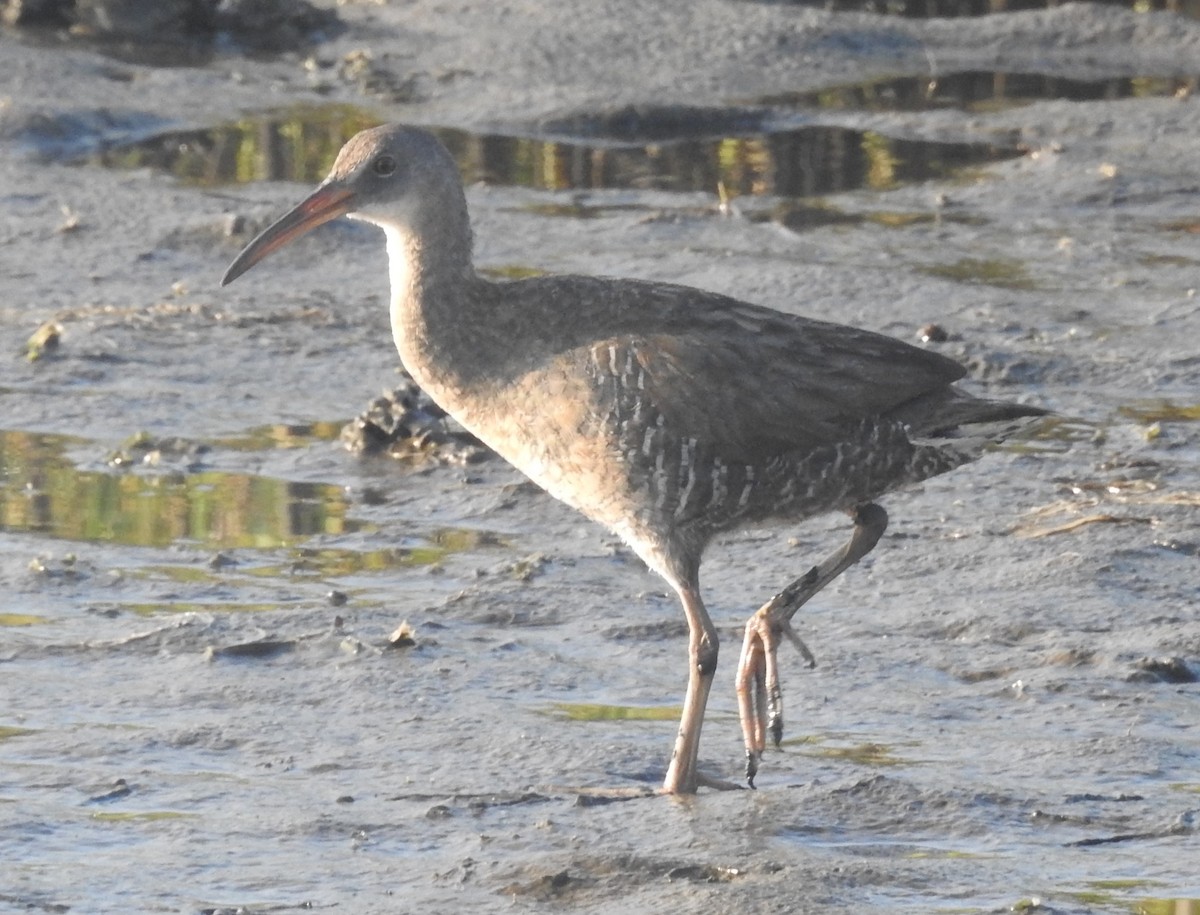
[273, 641]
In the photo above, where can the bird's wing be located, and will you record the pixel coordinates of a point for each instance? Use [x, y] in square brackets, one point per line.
[752, 382]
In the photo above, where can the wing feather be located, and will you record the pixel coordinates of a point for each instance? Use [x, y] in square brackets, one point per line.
[748, 381]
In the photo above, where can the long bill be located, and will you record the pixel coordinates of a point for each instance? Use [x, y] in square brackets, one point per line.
[329, 201]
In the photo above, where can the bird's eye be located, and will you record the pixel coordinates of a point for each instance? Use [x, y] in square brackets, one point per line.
[384, 165]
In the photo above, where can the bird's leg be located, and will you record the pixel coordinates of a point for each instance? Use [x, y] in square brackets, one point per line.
[682, 777]
[760, 697]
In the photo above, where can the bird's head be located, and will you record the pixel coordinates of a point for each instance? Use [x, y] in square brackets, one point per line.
[388, 176]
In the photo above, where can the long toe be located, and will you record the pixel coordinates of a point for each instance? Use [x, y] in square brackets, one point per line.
[753, 676]
[773, 686]
[760, 693]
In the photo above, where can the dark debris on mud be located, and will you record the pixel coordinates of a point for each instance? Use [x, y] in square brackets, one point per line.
[588, 874]
[1162, 670]
[255, 25]
[144, 450]
[407, 425]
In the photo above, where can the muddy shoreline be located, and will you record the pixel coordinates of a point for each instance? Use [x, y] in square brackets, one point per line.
[201, 705]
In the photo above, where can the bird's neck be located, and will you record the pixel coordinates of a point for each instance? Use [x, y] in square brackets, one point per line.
[432, 285]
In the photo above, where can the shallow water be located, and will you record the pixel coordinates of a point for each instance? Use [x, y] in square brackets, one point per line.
[754, 159]
[203, 702]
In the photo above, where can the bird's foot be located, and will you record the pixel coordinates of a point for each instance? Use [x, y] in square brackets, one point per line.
[751, 766]
[760, 700]
[760, 695]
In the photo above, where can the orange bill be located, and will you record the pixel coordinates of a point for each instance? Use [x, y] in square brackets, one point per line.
[329, 201]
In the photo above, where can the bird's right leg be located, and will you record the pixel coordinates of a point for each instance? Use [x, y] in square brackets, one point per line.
[760, 697]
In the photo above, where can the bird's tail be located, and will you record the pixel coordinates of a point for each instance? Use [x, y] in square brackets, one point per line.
[952, 427]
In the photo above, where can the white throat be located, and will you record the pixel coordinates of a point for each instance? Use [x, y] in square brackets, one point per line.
[400, 266]
[401, 278]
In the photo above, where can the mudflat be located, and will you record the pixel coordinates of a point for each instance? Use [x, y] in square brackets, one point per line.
[204, 702]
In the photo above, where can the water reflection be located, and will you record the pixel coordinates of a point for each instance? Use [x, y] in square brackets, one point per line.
[300, 145]
[928, 9]
[41, 491]
[807, 162]
[977, 90]
[664, 147]
[281, 435]
[294, 145]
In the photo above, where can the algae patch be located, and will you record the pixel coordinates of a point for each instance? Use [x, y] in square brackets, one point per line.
[583, 711]
[1000, 272]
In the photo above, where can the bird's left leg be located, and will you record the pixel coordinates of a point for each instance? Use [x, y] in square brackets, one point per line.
[760, 697]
